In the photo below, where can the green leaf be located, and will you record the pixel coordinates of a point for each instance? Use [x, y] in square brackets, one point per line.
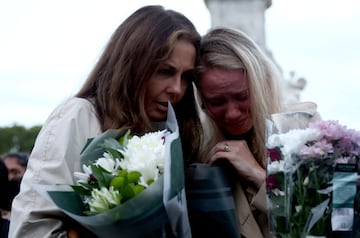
[125, 138]
[122, 173]
[101, 175]
[134, 177]
[114, 153]
[111, 145]
[150, 181]
[107, 178]
[138, 189]
[118, 182]
[89, 186]
[127, 192]
[80, 190]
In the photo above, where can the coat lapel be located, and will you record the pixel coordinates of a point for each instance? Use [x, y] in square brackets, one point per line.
[248, 225]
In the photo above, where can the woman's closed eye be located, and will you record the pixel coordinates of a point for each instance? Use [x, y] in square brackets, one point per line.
[166, 71]
[243, 96]
[215, 102]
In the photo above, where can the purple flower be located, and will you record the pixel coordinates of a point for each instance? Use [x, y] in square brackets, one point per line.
[331, 129]
[354, 135]
[313, 153]
[318, 149]
[271, 182]
[274, 154]
[345, 145]
[92, 180]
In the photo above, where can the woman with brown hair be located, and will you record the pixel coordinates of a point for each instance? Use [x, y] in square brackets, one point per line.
[148, 62]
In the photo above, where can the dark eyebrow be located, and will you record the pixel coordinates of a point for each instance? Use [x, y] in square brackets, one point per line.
[166, 65]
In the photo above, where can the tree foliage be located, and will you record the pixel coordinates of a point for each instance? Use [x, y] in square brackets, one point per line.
[17, 138]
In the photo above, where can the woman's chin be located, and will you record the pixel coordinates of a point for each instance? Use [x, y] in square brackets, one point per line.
[236, 130]
[158, 116]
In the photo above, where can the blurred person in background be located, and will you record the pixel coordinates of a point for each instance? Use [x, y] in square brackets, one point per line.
[16, 164]
[4, 200]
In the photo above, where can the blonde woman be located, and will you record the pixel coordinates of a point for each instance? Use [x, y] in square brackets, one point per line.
[238, 90]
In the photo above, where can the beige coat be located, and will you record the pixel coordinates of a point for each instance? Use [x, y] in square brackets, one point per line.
[252, 226]
[54, 159]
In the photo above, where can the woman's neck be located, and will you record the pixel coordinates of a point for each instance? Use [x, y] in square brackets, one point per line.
[159, 125]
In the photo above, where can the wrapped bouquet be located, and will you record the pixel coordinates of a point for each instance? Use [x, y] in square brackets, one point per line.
[130, 185]
[312, 181]
[129, 165]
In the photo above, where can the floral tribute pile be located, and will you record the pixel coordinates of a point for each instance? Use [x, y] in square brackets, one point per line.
[312, 181]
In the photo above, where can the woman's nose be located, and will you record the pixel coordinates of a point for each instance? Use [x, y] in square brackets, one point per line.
[176, 86]
[232, 112]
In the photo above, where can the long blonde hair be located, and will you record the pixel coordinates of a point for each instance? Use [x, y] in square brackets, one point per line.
[232, 49]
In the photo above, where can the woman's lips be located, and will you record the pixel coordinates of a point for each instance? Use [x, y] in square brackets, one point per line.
[237, 124]
[163, 106]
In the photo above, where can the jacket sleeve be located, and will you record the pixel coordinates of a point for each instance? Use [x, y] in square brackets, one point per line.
[53, 160]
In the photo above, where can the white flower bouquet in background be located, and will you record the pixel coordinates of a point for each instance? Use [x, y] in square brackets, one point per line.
[312, 181]
[130, 186]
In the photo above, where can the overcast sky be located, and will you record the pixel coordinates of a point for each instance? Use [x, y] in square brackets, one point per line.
[47, 49]
[320, 40]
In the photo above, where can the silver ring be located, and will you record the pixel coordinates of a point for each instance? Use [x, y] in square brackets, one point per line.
[226, 147]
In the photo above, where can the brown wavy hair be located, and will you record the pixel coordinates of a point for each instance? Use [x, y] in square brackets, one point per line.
[117, 84]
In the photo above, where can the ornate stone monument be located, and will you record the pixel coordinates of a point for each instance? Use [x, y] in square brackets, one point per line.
[249, 16]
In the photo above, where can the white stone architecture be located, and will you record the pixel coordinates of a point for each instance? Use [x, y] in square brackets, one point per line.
[249, 16]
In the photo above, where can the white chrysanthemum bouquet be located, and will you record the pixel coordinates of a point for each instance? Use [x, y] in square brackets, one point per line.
[130, 186]
[128, 166]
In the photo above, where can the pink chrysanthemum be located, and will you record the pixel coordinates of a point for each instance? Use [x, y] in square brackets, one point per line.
[331, 129]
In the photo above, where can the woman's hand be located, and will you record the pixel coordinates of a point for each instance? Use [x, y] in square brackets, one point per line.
[239, 155]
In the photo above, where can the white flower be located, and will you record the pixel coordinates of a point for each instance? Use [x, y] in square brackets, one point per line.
[276, 166]
[104, 199]
[298, 208]
[294, 140]
[278, 192]
[306, 181]
[109, 163]
[145, 154]
[83, 178]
